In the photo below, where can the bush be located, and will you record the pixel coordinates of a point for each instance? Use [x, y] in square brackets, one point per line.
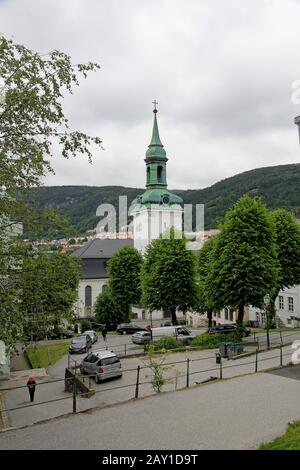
[212, 341]
[167, 342]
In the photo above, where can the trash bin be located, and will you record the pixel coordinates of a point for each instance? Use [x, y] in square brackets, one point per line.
[218, 358]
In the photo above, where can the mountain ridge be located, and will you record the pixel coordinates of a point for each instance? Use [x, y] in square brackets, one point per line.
[278, 186]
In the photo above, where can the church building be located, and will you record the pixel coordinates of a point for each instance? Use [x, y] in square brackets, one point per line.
[153, 213]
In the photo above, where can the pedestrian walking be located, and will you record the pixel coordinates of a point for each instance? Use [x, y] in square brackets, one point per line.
[31, 387]
[104, 333]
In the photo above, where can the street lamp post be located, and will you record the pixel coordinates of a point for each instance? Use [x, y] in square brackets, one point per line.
[267, 303]
[297, 122]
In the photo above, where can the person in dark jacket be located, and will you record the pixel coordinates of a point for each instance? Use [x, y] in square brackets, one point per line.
[104, 333]
[31, 387]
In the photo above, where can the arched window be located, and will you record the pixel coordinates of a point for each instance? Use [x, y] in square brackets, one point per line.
[104, 287]
[88, 296]
[148, 174]
[159, 172]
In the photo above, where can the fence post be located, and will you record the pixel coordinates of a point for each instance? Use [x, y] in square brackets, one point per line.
[281, 355]
[74, 395]
[75, 367]
[187, 373]
[137, 382]
[280, 337]
[125, 349]
[221, 370]
[256, 360]
[254, 337]
[258, 343]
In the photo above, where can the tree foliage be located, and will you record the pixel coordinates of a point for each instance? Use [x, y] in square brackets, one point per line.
[168, 275]
[245, 265]
[32, 121]
[107, 310]
[124, 269]
[204, 263]
[31, 113]
[49, 288]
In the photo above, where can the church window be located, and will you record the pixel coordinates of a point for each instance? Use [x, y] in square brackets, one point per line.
[159, 172]
[148, 174]
[88, 296]
[104, 287]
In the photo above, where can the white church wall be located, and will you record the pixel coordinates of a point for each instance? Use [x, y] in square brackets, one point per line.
[97, 288]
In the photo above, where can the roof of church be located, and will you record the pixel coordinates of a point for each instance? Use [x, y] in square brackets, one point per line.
[101, 248]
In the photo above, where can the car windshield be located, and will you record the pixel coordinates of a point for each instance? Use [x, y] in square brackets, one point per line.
[79, 339]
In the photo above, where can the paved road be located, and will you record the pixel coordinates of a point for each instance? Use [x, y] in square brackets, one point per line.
[201, 367]
[236, 414]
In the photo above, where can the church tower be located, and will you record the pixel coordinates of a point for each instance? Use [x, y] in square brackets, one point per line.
[156, 210]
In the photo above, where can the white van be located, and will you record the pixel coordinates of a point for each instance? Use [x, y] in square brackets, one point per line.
[178, 332]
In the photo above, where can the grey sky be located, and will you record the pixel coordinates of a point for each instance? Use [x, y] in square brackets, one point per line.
[221, 71]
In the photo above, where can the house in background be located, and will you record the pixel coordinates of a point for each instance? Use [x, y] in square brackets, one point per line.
[95, 256]
[287, 307]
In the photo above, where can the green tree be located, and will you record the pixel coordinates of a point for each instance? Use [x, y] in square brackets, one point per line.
[168, 275]
[49, 289]
[32, 119]
[107, 310]
[245, 266]
[205, 260]
[31, 112]
[124, 269]
[287, 239]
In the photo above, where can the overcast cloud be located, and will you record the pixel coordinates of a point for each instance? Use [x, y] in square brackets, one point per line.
[221, 70]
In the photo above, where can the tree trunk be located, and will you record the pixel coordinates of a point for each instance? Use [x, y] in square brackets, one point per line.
[173, 315]
[240, 315]
[209, 317]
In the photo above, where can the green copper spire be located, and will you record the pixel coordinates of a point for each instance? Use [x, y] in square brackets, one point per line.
[155, 149]
[156, 175]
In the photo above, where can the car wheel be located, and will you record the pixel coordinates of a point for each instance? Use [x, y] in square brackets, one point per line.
[124, 332]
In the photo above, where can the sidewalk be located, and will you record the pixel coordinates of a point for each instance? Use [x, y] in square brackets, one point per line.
[240, 413]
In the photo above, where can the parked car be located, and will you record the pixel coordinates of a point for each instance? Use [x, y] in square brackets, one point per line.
[178, 332]
[227, 329]
[92, 334]
[102, 364]
[141, 337]
[166, 323]
[128, 328]
[80, 344]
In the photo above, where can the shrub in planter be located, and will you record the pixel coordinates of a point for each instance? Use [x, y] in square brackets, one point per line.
[167, 342]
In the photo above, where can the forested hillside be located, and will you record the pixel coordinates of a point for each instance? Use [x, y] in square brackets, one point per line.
[279, 186]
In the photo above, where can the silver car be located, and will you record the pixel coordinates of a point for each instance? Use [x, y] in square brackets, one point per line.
[92, 334]
[102, 364]
[141, 337]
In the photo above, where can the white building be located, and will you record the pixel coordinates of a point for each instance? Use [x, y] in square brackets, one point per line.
[287, 307]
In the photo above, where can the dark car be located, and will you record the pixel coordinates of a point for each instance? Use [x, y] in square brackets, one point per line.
[128, 328]
[80, 344]
[227, 329]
